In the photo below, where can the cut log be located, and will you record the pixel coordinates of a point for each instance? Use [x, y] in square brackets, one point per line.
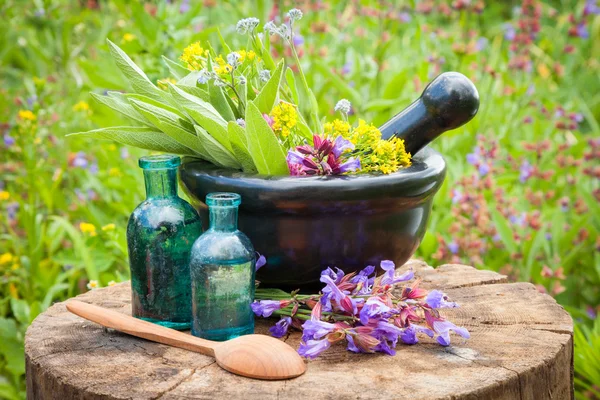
[521, 347]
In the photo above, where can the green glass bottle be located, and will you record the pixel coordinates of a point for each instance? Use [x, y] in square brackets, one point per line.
[160, 235]
[222, 266]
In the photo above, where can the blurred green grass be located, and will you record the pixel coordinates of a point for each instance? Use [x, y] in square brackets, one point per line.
[527, 203]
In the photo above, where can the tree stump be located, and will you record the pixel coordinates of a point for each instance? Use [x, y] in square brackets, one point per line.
[521, 347]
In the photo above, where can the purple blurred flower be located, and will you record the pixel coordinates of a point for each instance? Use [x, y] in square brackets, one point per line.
[528, 119]
[456, 196]
[525, 171]
[548, 236]
[473, 158]
[437, 299]
[453, 247]
[484, 169]
[11, 210]
[530, 90]
[509, 32]
[518, 220]
[347, 68]
[184, 7]
[264, 308]
[281, 327]
[576, 117]
[8, 140]
[94, 168]
[591, 312]
[124, 153]
[481, 43]
[388, 277]
[591, 7]
[260, 261]
[312, 348]
[404, 17]
[80, 161]
[298, 40]
[582, 31]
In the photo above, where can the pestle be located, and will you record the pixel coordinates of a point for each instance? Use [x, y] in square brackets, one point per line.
[449, 101]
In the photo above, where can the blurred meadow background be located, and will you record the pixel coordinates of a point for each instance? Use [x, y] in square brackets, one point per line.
[522, 193]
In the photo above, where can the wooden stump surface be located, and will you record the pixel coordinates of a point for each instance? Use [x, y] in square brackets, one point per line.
[521, 347]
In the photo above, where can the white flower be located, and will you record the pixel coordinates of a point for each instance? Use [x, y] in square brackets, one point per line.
[204, 76]
[264, 75]
[343, 106]
[270, 27]
[242, 80]
[284, 31]
[233, 59]
[112, 283]
[92, 285]
[294, 14]
[246, 25]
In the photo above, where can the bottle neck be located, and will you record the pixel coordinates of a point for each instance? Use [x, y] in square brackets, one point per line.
[161, 182]
[223, 219]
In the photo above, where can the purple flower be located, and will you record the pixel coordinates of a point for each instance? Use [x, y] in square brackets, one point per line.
[184, 7]
[351, 165]
[530, 90]
[591, 7]
[373, 307]
[591, 312]
[404, 17]
[473, 158]
[443, 329]
[409, 336]
[576, 117]
[336, 275]
[484, 169]
[364, 281]
[11, 210]
[264, 308]
[8, 140]
[347, 68]
[453, 247]
[388, 277]
[241, 122]
[437, 299]
[281, 327]
[124, 153]
[312, 348]
[315, 329]
[582, 31]
[260, 261]
[525, 171]
[509, 32]
[345, 302]
[517, 220]
[298, 40]
[548, 236]
[456, 196]
[80, 161]
[481, 43]
[340, 145]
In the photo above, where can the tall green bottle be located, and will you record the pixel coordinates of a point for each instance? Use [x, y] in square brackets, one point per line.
[160, 235]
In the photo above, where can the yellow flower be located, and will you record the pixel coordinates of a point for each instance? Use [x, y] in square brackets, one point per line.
[14, 292]
[87, 228]
[128, 37]
[112, 147]
[285, 118]
[193, 56]
[4, 195]
[26, 115]
[81, 106]
[337, 128]
[109, 227]
[37, 140]
[112, 283]
[15, 266]
[115, 172]
[93, 284]
[222, 67]
[38, 81]
[6, 258]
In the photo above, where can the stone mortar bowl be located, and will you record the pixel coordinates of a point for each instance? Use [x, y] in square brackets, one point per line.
[305, 224]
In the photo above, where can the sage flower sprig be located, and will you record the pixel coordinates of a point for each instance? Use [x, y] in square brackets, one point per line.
[371, 314]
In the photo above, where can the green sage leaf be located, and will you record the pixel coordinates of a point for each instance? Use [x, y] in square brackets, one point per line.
[264, 147]
[117, 102]
[175, 68]
[221, 156]
[239, 143]
[268, 95]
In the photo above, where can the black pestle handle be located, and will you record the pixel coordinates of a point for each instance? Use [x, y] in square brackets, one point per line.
[449, 101]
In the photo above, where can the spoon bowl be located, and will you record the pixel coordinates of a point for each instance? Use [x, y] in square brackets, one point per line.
[252, 356]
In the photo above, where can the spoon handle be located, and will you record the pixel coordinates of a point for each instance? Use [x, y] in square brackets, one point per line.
[143, 329]
[449, 101]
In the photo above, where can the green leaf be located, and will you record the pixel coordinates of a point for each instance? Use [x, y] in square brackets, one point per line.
[219, 102]
[81, 250]
[171, 124]
[505, 231]
[189, 79]
[13, 351]
[220, 154]
[175, 68]
[136, 77]
[117, 102]
[265, 149]
[223, 42]
[142, 137]
[20, 310]
[291, 81]
[239, 143]
[195, 91]
[304, 130]
[204, 114]
[268, 95]
[160, 104]
[344, 88]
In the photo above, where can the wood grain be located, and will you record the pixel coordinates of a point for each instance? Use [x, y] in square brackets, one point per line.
[521, 347]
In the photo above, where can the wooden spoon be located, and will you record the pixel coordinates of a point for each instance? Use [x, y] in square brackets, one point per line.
[253, 356]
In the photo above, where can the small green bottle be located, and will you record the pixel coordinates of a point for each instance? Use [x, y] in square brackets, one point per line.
[160, 235]
[222, 267]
